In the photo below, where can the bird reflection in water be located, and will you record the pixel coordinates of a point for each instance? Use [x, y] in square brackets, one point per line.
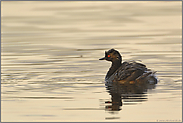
[133, 92]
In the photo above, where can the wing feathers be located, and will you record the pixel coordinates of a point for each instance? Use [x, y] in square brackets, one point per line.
[130, 71]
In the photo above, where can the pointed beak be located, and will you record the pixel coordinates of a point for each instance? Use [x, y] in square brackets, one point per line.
[102, 58]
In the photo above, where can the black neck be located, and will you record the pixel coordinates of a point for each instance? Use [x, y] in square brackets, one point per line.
[115, 65]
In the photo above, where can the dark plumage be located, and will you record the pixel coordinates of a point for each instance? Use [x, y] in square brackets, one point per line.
[127, 72]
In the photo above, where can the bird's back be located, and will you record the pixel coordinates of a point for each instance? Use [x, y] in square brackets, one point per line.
[130, 72]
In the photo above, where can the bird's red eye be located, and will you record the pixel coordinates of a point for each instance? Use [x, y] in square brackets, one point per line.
[108, 56]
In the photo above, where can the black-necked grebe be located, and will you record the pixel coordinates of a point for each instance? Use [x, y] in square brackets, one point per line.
[127, 72]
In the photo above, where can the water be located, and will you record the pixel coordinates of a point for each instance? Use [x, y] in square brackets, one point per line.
[49, 59]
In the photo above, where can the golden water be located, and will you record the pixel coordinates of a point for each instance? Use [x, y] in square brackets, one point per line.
[49, 59]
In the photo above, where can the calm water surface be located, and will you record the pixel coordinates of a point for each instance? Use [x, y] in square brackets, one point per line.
[49, 59]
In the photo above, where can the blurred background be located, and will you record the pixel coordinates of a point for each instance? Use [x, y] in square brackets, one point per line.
[49, 59]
